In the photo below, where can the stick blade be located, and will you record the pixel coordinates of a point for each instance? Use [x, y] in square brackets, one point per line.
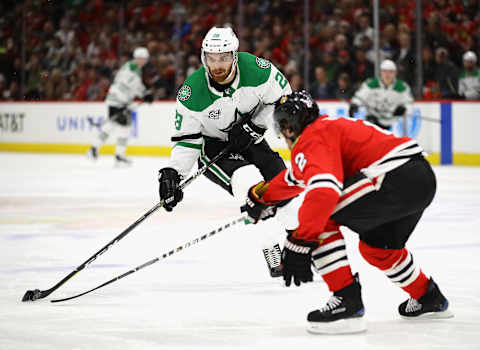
[32, 295]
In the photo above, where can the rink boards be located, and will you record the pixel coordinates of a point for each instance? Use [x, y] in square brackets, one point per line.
[448, 131]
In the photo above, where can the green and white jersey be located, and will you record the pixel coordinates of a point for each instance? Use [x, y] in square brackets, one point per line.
[202, 111]
[380, 100]
[126, 86]
[469, 84]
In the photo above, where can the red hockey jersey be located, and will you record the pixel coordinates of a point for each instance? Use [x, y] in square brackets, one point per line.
[329, 151]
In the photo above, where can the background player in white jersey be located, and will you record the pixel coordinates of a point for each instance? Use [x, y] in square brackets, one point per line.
[126, 86]
[385, 99]
[228, 101]
[355, 174]
[469, 81]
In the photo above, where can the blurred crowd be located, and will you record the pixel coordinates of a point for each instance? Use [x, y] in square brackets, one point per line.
[71, 49]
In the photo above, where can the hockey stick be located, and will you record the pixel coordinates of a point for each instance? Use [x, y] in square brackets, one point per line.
[163, 256]
[32, 295]
[115, 117]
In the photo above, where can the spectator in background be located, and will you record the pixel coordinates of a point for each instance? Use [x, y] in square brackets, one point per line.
[13, 92]
[321, 88]
[65, 33]
[330, 65]
[69, 34]
[340, 43]
[446, 74]
[387, 41]
[34, 79]
[72, 85]
[469, 81]
[343, 88]
[404, 57]
[434, 35]
[428, 64]
[345, 65]
[363, 68]
[344, 28]
[193, 63]
[14, 73]
[363, 28]
[55, 87]
[296, 82]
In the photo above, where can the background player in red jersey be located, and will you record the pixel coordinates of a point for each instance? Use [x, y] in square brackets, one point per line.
[357, 175]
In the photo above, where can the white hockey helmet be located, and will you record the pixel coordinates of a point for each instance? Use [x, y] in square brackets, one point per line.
[388, 65]
[470, 56]
[219, 40]
[141, 52]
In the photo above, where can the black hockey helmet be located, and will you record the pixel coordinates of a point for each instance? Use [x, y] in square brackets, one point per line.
[295, 111]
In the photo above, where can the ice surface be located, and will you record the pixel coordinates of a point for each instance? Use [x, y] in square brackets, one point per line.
[57, 210]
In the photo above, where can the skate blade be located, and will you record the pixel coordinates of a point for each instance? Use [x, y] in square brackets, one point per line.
[440, 315]
[344, 326]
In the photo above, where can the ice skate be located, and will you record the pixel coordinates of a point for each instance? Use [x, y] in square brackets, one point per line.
[432, 305]
[122, 161]
[273, 256]
[92, 153]
[342, 314]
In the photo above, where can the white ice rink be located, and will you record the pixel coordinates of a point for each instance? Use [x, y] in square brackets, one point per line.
[57, 210]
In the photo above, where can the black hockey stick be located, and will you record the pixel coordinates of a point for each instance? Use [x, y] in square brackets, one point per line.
[32, 295]
[163, 256]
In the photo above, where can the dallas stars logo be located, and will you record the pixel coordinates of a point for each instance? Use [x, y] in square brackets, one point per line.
[184, 93]
[263, 63]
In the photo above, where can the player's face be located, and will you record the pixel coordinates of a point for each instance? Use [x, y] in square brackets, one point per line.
[140, 62]
[219, 65]
[468, 64]
[387, 76]
[288, 135]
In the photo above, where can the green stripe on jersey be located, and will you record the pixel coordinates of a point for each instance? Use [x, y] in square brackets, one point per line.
[188, 145]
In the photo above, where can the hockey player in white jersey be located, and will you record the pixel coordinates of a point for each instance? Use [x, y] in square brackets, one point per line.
[228, 101]
[384, 99]
[126, 86]
[469, 81]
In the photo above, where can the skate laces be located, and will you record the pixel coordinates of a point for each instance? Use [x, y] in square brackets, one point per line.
[413, 305]
[273, 256]
[332, 303]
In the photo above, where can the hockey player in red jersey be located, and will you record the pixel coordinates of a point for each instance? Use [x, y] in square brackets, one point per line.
[358, 175]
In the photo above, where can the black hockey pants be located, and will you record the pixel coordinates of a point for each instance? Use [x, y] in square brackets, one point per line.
[120, 115]
[268, 162]
[386, 218]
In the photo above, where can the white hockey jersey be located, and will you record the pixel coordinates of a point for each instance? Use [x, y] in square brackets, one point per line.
[126, 86]
[202, 111]
[380, 100]
[469, 85]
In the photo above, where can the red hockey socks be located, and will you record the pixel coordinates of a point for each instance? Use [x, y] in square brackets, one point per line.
[399, 266]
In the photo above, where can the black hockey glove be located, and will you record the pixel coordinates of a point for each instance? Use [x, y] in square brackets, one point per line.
[400, 110]
[256, 208]
[169, 180]
[243, 134]
[297, 261]
[148, 98]
[352, 110]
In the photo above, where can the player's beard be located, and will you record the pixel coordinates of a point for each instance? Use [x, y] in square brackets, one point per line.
[219, 75]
